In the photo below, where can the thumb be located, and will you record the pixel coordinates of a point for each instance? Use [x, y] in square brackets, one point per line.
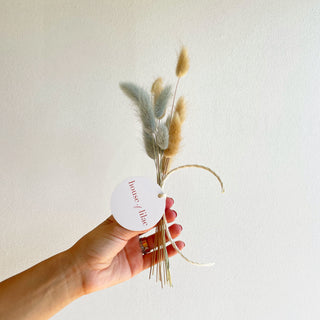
[118, 231]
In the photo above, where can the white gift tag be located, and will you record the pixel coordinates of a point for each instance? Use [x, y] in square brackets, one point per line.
[135, 203]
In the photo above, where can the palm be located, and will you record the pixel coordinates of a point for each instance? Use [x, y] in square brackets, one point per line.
[129, 261]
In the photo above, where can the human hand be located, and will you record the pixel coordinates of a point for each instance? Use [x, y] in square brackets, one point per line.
[110, 254]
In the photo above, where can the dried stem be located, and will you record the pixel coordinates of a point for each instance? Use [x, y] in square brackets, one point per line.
[160, 257]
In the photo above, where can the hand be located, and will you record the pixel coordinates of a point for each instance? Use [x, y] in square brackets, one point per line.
[111, 254]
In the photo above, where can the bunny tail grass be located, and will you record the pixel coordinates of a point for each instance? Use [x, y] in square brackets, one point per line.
[174, 136]
[162, 101]
[181, 109]
[162, 137]
[142, 100]
[183, 63]
[156, 89]
[149, 144]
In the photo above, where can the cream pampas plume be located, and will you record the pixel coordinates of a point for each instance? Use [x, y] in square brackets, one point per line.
[156, 89]
[142, 100]
[174, 136]
[183, 63]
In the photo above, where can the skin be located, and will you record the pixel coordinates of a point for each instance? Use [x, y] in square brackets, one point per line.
[106, 256]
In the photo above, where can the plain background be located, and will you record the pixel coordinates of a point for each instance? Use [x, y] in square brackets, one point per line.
[68, 135]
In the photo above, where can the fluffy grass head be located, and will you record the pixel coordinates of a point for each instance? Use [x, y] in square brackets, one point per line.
[181, 109]
[142, 99]
[162, 102]
[162, 136]
[174, 136]
[183, 63]
[149, 144]
[156, 89]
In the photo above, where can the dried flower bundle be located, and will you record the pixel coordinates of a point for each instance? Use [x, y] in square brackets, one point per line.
[162, 136]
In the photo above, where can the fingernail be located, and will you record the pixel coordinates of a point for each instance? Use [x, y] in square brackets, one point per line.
[175, 212]
[180, 226]
[183, 244]
[172, 200]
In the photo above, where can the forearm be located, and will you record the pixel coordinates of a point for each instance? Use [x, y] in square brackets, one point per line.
[40, 291]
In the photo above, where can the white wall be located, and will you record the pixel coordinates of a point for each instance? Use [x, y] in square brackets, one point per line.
[68, 136]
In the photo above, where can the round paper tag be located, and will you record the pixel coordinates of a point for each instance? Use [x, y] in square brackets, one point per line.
[135, 203]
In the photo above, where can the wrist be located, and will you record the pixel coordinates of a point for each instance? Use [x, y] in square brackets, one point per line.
[72, 275]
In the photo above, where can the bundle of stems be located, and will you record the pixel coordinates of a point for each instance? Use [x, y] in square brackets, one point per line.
[162, 137]
[174, 120]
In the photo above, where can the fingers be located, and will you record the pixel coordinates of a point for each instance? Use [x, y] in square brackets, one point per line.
[174, 230]
[171, 215]
[147, 258]
[169, 202]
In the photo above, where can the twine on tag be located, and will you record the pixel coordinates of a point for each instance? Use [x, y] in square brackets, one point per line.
[164, 218]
